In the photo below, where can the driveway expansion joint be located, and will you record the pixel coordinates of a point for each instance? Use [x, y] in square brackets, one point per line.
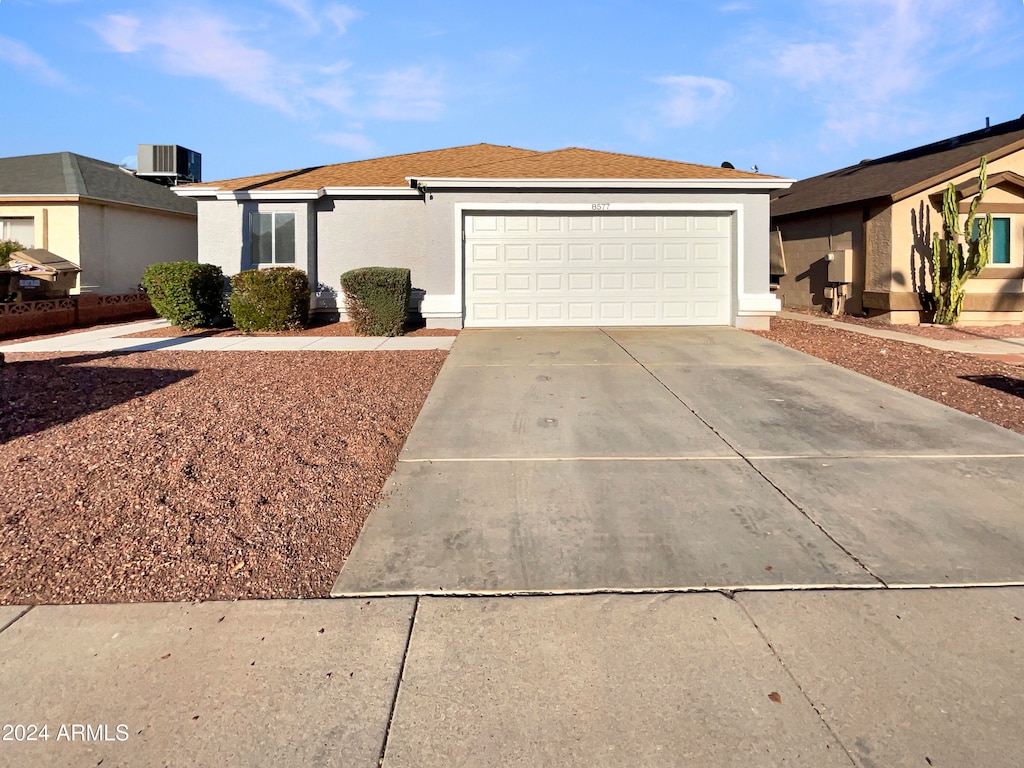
[750, 464]
[799, 687]
[398, 683]
[21, 615]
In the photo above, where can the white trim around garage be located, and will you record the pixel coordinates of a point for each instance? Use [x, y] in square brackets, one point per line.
[744, 304]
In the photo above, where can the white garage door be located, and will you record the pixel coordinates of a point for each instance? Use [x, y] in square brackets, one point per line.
[597, 269]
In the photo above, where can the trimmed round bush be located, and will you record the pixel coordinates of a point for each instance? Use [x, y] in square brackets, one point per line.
[270, 299]
[377, 299]
[188, 294]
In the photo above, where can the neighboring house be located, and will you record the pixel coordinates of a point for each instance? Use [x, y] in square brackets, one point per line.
[499, 236]
[881, 214]
[95, 215]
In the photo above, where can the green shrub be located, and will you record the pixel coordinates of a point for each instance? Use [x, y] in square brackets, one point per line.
[188, 294]
[377, 299]
[7, 247]
[270, 299]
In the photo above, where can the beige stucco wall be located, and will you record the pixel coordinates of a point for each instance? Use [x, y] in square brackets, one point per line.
[117, 243]
[915, 219]
[56, 225]
[806, 240]
[112, 244]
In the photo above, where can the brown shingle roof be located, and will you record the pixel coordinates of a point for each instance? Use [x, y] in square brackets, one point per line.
[577, 163]
[378, 172]
[902, 174]
[478, 161]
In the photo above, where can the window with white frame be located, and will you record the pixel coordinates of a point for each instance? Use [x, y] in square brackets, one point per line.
[22, 230]
[271, 238]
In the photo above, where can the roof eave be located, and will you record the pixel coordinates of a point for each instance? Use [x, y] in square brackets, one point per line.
[765, 184]
[293, 195]
[941, 178]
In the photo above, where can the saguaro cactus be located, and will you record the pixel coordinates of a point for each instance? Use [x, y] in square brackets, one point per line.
[953, 264]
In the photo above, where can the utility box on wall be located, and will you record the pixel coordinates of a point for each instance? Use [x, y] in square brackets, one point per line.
[840, 266]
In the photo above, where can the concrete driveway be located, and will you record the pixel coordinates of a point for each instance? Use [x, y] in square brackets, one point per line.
[572, 460]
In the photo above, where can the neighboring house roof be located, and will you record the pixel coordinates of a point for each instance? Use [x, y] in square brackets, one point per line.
[903, 174]
[477, 161]
[64, 173]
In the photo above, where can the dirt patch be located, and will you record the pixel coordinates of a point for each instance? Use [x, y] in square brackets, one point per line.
[972, 384]
[327, 329]
[195, 475]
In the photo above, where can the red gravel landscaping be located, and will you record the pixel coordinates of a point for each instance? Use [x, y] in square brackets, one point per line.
[195, 475]
[972, 384]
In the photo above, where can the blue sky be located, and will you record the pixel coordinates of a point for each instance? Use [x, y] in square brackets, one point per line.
[797, 87]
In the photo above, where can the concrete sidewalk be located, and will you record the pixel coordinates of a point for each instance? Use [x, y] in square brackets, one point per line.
[982, 345]
[112, 339]
[807, 679]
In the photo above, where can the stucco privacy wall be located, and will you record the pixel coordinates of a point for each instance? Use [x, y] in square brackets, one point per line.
[117, 243]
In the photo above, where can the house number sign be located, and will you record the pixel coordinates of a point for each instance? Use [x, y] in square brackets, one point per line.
[601, 206]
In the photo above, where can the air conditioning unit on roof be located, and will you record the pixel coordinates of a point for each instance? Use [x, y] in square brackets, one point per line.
[169, 164]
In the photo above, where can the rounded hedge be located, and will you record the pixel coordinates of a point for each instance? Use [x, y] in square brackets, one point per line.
[188, 294]
[274, 299]
[377, 299]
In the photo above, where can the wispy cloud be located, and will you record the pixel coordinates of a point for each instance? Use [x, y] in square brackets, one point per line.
[17, 54]
[356, 143]
[735, 7]
[339, 16]
[691, 98]
[198, 44]
[412, 93]
[195, 43]
[869, 69]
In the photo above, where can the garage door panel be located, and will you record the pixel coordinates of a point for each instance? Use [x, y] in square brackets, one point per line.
[551, 282]
[485, 282]
[581, 281]
[518, 283]
[586, 269]
[675, 252]
[550, 252]
[516, 252]
[485, 252]
[709, 253]
[612, 253]
[581, 252]
[646, 253]
[612, 281]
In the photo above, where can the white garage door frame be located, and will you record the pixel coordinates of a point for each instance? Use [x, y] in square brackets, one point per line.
[736, 261]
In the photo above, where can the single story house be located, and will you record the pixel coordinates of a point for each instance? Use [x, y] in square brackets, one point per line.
[878, 217]
[95, 215]
[500, 236]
